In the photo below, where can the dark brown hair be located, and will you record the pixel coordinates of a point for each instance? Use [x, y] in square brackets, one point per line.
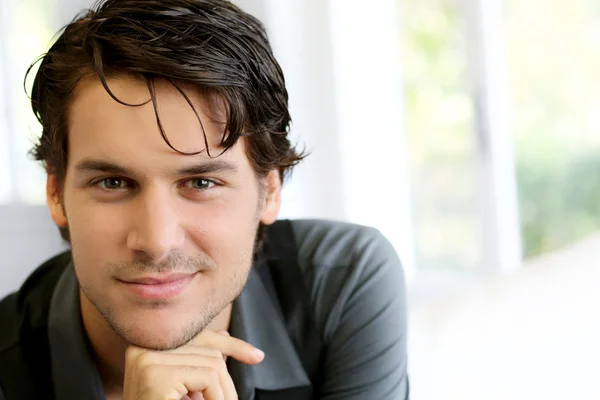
[210, 45]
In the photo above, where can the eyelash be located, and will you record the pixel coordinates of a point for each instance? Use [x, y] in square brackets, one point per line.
[97, 183]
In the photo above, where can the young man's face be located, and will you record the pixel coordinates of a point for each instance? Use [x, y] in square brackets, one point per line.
[161, 241]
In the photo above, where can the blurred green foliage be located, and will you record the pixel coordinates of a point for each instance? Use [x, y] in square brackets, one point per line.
[553, 52]
[438, 120]
[559, 201]
[553, 56]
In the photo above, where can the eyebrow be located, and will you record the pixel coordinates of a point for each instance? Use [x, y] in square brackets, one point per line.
[117, 169]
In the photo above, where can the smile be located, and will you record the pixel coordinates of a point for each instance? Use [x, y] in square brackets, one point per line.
[159, 287]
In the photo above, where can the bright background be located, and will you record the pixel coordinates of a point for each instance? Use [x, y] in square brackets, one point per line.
[467, 131]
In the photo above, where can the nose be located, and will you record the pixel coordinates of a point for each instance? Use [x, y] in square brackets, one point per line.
[156, 229]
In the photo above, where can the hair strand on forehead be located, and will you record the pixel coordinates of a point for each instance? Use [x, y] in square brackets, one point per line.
[210, 46]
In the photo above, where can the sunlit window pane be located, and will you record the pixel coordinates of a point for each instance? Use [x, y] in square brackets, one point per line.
[5, 174]
[439, 115]
[554, 62]
[27, 35]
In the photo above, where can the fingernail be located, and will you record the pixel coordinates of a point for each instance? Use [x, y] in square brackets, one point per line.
[259, 353]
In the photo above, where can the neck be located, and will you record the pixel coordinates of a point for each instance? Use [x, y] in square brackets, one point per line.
[109, 348]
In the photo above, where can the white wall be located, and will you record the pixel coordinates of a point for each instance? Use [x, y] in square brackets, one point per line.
[27, 238]
[343, 68]
[299, 34]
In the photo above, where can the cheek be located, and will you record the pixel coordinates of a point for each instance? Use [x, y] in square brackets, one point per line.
[96, 228]
[100, 220]
[225, 230]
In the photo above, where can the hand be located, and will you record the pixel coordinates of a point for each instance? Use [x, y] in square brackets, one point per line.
[197, 369]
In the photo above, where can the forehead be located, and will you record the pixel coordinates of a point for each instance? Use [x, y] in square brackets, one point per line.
[100, 125]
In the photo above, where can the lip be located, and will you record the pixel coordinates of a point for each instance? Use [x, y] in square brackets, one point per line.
[158, 279]
[161, 287]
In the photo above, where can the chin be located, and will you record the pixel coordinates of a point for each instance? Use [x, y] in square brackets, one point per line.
[160, 337]
[157, 343]
[160, 332]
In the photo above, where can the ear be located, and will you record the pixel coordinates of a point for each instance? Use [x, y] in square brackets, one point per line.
[54, 201]
[271, 198]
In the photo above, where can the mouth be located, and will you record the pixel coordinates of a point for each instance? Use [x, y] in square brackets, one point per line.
[159, 287]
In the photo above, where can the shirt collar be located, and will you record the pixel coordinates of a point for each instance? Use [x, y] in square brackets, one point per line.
[257, 320]
[74, 372]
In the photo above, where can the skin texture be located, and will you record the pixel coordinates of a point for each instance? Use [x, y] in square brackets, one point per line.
[194, 371]
[152, 217]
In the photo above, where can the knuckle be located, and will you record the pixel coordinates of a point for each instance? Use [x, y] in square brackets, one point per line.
[150, 373]
[131, 352]
[212, 374]
[146, 359]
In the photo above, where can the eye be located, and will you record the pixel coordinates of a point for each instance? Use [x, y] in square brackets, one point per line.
[200, 184]
[112, 184]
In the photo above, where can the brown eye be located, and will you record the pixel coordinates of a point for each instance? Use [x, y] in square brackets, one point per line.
[112, 183]
[200, 184]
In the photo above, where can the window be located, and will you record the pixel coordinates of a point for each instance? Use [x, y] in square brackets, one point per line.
[546, 109]
[5, 178]
[27, 31]
[554, 66]
[439, 130]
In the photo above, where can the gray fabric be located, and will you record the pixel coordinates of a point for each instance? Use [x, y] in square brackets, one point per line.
[73, 370]
[256, 320]
[356, 287]
[358, 296]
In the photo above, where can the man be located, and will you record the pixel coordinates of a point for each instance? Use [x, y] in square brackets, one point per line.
[165, 142]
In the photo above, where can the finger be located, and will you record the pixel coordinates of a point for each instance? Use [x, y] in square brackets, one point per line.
[229, 346]
[166, 382]
[204, 381]
[224, 333]
[194, 350]
[201, 357]
[131, 372]
[198, 350]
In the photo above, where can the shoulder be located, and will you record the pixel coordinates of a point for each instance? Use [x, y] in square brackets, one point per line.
[24, 321]
[325, 246]
[9, 312]
[344, 265]
[335, 243]
[29, 305]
